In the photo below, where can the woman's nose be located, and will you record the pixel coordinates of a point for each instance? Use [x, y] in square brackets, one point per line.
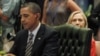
[77, 23]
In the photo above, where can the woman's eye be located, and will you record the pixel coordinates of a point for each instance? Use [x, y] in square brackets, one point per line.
[73, 20]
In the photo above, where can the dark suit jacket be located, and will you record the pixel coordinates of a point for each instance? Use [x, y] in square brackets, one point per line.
[45, 42]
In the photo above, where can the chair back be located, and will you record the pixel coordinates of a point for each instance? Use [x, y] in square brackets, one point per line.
[73, 41]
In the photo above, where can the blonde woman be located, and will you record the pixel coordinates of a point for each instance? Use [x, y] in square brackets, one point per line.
[78, 18]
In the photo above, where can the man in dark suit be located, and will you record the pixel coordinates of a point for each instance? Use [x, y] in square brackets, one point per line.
[17, 22]
[44, 41]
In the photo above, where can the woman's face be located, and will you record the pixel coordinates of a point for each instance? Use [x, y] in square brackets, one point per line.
[78, 20]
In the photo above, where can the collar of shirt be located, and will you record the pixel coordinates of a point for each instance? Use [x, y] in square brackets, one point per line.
[34, 32]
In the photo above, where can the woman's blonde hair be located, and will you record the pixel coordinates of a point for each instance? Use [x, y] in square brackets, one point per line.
[78, 12]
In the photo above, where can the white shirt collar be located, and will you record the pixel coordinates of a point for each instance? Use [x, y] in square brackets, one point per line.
[34, 32]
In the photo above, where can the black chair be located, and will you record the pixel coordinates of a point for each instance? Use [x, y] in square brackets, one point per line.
[73, 41]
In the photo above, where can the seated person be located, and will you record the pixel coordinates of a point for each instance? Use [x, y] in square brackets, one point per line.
[78, 18]
[35, 39]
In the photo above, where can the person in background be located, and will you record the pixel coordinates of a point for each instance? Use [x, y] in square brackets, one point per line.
[94, 21]
[56, 12]
[7, 20]
[78, 19]
[42, 39]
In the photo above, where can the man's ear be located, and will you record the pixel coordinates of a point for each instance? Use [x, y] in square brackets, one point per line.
[38, 16]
